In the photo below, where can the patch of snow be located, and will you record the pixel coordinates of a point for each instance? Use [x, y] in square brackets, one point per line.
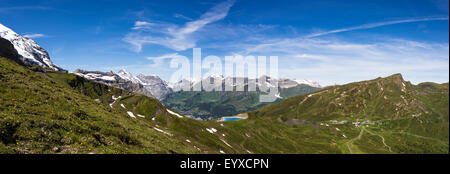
[404, 87]
[211, 130]
[187, 140]
[140, 116]
[159, 130]
[108, 78]
[123, 106]
[197, 148]
[223, 135]
[309, 82]
[131, 114]
[153, 118]
[338, 129]
[278, 96]
[114, 98]
[222, 152]
[95, 76]
[174, 113]
[225, 143]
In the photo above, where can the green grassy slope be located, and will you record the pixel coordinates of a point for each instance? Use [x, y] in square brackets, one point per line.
[409, 118]
[50, 112]
[56, 112]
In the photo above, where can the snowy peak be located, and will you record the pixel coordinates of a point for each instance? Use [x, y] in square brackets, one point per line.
[96, 75]
[215, 76]
[309, 82]
[150, 85]
[114, 79]
[30, 52]
[128, 76]
[158, 87]
[150, 79]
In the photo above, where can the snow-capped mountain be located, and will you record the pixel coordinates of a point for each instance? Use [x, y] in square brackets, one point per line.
[150, 85]
[309, 82]
[158, 87]
[128, 76]
[30, 52]
[106, 77]
[121, 80]
[288, 83]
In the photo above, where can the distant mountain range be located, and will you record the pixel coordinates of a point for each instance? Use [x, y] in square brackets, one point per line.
[201, 104]
[160, 88]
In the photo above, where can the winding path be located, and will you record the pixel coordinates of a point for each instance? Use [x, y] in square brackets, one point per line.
[349, 143]
[382, 138]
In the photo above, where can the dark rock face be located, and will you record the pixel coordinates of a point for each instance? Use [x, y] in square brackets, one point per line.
[7, 51]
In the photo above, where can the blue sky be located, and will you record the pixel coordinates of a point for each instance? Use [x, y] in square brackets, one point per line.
[326, 41]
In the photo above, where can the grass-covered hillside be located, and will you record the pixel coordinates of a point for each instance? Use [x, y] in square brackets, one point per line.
[43, 111]
[393, 116]
[50, 112]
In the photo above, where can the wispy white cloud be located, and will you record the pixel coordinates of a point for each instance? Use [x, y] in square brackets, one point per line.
[327, 60]
[378, 24]
[35, 35]
[142, 25]
[330, 61]
[159, 60]
[16, 8]
[177, 15]
[173, 36]
[311, 57]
